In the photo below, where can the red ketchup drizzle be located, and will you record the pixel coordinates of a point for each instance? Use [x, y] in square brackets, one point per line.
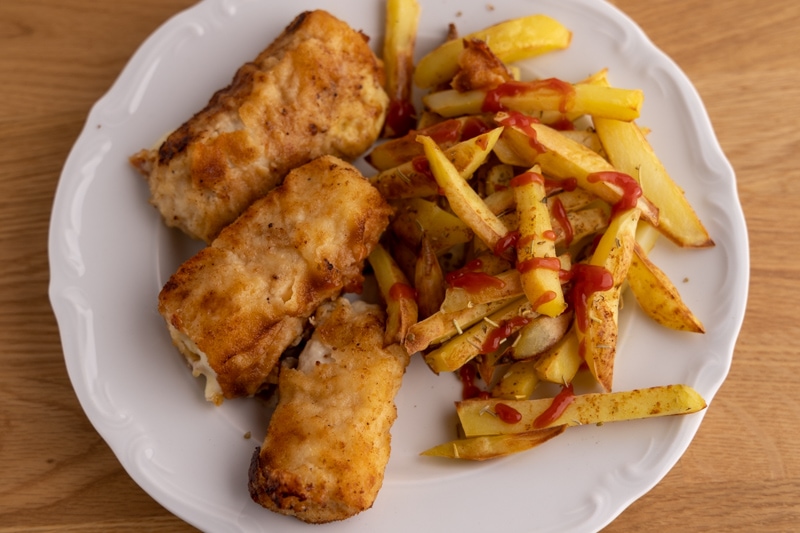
[588, 279]
[563, 124]
[467, 375]
[550, 263]
[473, 127]
[526, 178]
[400, 117]
[567, 184]
[548, 296]
[631, 191]
[420, 164]
[549, 234]
[444, 132]
[560, 214]
[491, 103]
[471, 281]
[507, 414]
[498, 335]
[523, 122]
[556, 408]
[402, 290]
[508, 241]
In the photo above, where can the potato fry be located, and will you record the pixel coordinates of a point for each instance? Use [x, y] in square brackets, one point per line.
[492, 446]
[657, 296]
[464, 201]
[597, 322]
[402, 18]
[555, 96]
[564, 158]
[401, 306]
[629, 152]
[510, 41]
[428, 279]
[517, 382]
[561, 362]
[441, 326]
[541, 334]
[466, 346]
[508, 284]
[478, 417]
[416, 217]
[414, 179]
[536, 250]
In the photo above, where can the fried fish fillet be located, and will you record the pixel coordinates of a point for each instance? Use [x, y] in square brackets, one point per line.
[328, 441]
[316, 90]
[234, 307]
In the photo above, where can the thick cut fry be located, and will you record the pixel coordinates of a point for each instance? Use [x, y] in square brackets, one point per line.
[401, 305]
[492, 446]
[628, 150]
[417, 216]
[657, 295]
[597, 324]
[564, 158]
[536, 249]
[540, 96]
[508, 284]
[561, 362]
[402, 18]
[464, 201]
[478, 416]
[441, 326]
[464, 347]
[517, 382]
[510, 41]
[541, 334]
[428, 280]
[414, 178]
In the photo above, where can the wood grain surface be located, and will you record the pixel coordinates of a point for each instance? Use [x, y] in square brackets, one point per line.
[742, 471]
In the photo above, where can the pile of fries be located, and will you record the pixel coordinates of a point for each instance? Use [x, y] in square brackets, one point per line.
[524, 208]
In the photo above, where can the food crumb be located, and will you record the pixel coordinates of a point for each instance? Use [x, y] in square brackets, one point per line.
[247, 435]
[686, 280]
[489, 7]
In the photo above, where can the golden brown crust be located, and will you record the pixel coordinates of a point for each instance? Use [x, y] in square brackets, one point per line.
[246, 298]
[328, 441]
[316, 90]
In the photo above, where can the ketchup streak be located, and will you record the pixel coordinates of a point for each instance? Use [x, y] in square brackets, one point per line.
[523, 122]
[491, 103]
[469, 279]
[556, 408]
[560, 214]
[496, 337]
[400, 117]
[508, 241]
[588, 279]
[507, 414]
[631, 191]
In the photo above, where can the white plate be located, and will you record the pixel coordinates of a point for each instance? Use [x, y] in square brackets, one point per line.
[110, 255]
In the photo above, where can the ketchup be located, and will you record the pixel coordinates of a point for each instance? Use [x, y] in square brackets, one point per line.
[631, 191]
[523, 122]
[509, 240]
[560, 214]
[444, 132]
[402, 290]
[526, 178]
[547, 296]
[473, 127]
[400, 118]
[491, 103]
[467, 375]
[588, 279]
[420, 164]
[498, 335]
[549, 263]
[470, 280]
[556, 408]
[507, 414]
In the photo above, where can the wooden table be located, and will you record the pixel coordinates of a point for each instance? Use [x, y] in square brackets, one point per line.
[741, 473]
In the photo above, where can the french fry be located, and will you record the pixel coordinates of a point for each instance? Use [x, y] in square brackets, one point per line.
[508, 284]
[472, 342]
[510, 41]
[536, 250]
[561, 362]
[478, 417]
[541, 334]
[540, 96]
[517, 382]
[428, 280]
[414, 179]
[464, 201]
[629, 152]
[493, 446]
[657, 296]
[401, 306]
[597, 324]
[402, 18]
[564, 158]
[441, 326]
[416, 217]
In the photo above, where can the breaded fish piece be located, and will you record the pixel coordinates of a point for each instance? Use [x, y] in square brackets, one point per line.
[328, 441]
[234, 307]
[316, 90]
